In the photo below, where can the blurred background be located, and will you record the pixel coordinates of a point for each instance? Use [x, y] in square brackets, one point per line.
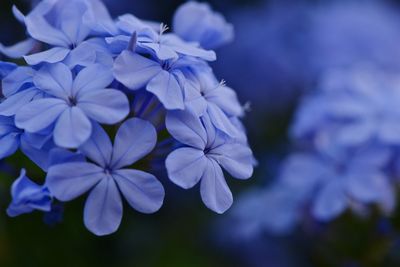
[281, 50]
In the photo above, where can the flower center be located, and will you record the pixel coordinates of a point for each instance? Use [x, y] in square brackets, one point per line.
[72, 101]
[107, 170]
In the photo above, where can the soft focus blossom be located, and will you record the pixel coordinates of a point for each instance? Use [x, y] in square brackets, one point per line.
[197, 22]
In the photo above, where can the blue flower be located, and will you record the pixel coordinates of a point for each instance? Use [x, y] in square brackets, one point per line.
[73, 103]
[351, 109]
[276, 210]
[148, 39]
[273, 64]
[105, 178]
[344, 33]
[18, 90]
[339, 180]
[164, 79]
[205, 95]
[53, 109]
[28, 196]
[38, 147]
[206, 151]
[197, 22]
[181, 83]
[64, 25]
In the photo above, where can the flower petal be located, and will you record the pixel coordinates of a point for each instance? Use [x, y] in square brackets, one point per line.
[186, 166]
[135, 71]
[41, 30]
[107, 106]
[9, 144]
[83, 55]
[214, 191]
[53, 55]
[70, 18]
[142, 190]
[13, 82]
[103, 208]
[98, 148]
[221, 121]
[28, 196]
[389, 131]
[331, 201]
[39, 114]
[13, 103]
[54, 79]
[162, 52]
[187, 128]
[364, 184]
[167, 89]
[72, 129]
[40, 156]
[226, 99]
[92, 77]
[135, 139]
[176, 44]
[98, 19]
[70, 180]
[355, 133]
[18, 50]
[235, 158]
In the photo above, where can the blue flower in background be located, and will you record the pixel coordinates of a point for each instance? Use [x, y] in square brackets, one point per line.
[322, 185]
[345, 136]
[206, 151]
[73, 103]
[28, 196]
[105, 178]
[344, 33]
[276, 210]
[197, 22]
[289, 44]
[273, 62]
[335, 182]
[354, 106]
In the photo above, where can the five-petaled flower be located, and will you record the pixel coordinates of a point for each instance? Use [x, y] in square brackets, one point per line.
[106, 177]
[72, 103]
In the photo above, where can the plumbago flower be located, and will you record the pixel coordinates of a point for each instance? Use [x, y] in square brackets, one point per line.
[71, 103]
[346, 134]
[28, 196]
[89, 79]
[106, 176]
[206, 151]
[197, 22]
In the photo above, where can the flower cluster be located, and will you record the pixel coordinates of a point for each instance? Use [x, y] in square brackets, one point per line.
[87, 78]
[346, 136]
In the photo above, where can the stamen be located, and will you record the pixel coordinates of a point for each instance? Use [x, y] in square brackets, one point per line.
[222, 83]
[163, 28]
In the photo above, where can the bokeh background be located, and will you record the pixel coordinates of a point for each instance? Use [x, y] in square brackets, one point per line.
[280, 51]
